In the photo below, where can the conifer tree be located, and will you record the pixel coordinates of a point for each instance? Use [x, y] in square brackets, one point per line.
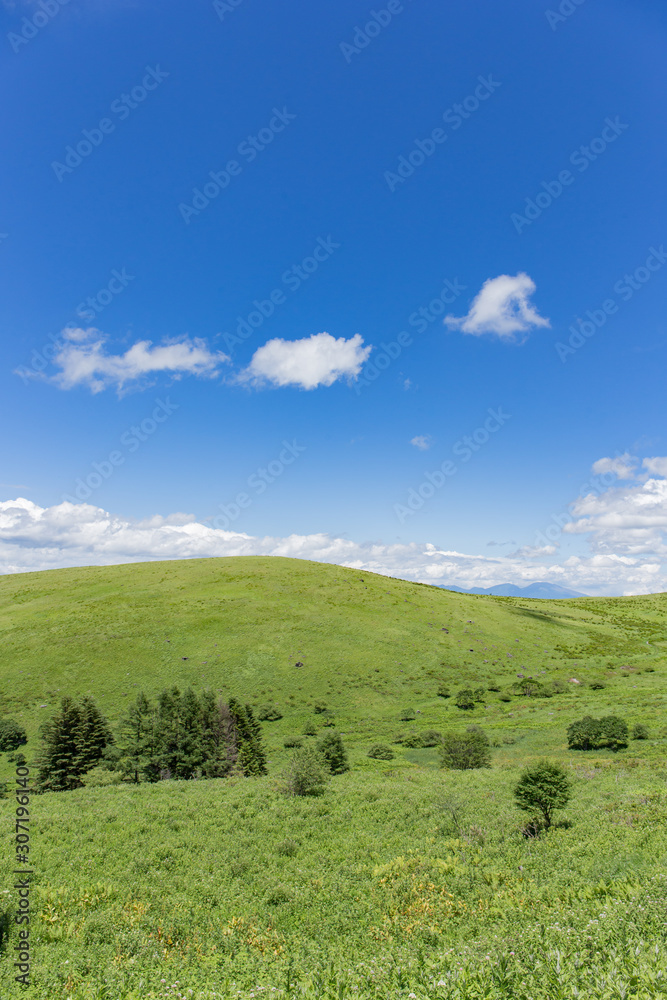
[59, 762]
[94, 734]
[139, 750]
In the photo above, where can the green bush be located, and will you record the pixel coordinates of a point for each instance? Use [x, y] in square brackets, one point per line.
[465, 699]
[310, 729]
[479, 693]
[305, 774]
[287, 848]
[541, 789]
[431, 738]
[530, 687]
[381, 752]
[269, 713]
[504, 697]
[597, 685]
[319, 707]
[332, 750]
[12, 735]
[443, 691]
[609, 733]
[407, 715]
[639, 731]
[292, 741]
[465, 751]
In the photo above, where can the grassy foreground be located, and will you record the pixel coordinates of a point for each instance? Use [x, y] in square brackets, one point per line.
[401, 879]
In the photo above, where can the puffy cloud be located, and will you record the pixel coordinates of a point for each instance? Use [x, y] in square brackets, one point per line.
[626, 520]
[422, 441]
[501, 307]
[623, 466]
[655, 466]
[35, 538]
[83, 361]
[316, 360]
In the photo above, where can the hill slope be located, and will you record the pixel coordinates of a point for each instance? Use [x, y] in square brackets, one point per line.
[368, 644]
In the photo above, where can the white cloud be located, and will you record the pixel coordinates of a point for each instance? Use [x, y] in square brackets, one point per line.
[623, 466]
[657, 466]
[422, 441]
[84, 361]
[501, 307]
[316, 360]
[35, 538]
[627, 521]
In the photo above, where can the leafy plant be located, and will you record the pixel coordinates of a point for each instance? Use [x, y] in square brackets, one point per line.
[269, 713]
[639, 731]
[443, 691]
[465, 751]
[305, 775]
[381, 752]
[542, 789]
[12, 735]
[465, 699]
[332, 750]
[609, 732]
[407, 715]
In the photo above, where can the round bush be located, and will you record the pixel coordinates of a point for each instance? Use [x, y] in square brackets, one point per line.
[639, 731]
[465, 751]
[12, 735]
[381, 752]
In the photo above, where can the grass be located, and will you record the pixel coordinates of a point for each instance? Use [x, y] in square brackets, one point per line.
[402, 878]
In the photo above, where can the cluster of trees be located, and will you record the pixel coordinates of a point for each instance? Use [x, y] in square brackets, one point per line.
[609, 732]
[181, 735]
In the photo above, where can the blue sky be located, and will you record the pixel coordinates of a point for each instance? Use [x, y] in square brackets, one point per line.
[161, 98]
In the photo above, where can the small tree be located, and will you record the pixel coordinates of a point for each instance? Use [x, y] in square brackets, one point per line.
[541, 789]
[94, 734]
[59, 762]
[332, 750]
[12, 735]
[465, 699]
[305, 774]
[465, 751]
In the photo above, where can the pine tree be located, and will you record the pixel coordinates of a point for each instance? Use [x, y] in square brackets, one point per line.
[247, 736]
[59, 762]
[94, 734]
[332, 750]
[138, 743]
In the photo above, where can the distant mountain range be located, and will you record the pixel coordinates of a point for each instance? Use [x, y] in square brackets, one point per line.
[546, 591]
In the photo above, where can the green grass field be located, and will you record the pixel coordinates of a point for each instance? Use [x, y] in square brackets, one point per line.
[402, 879]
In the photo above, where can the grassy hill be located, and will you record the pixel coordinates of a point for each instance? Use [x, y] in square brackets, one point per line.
[402, 876]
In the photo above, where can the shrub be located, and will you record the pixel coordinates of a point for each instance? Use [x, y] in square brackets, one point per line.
[443, 691]
[12, 735]
[479, 693]
[541, 789]
[329, 721]
[381, 752]
[310, 729]
[269, 713]
[332, 750]
[431, 738]
[504, 697]
[407, 715]
[287, 848]
[319, 707]
[529, 687]
[465, 751]
[292, 741]
[609, 732]
[305, 773]
[465, 699]
[597, 685]
[494, 687]
[412, 740]
[639, 731]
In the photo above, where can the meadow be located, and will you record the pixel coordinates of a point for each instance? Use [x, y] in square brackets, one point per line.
[402, 879]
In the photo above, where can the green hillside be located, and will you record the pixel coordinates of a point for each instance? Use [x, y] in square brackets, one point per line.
[403, 879]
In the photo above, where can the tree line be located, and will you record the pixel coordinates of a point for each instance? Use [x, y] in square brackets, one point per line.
[180, 735]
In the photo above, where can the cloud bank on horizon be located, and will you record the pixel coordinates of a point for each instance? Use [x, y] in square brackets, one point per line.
[626, 526]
